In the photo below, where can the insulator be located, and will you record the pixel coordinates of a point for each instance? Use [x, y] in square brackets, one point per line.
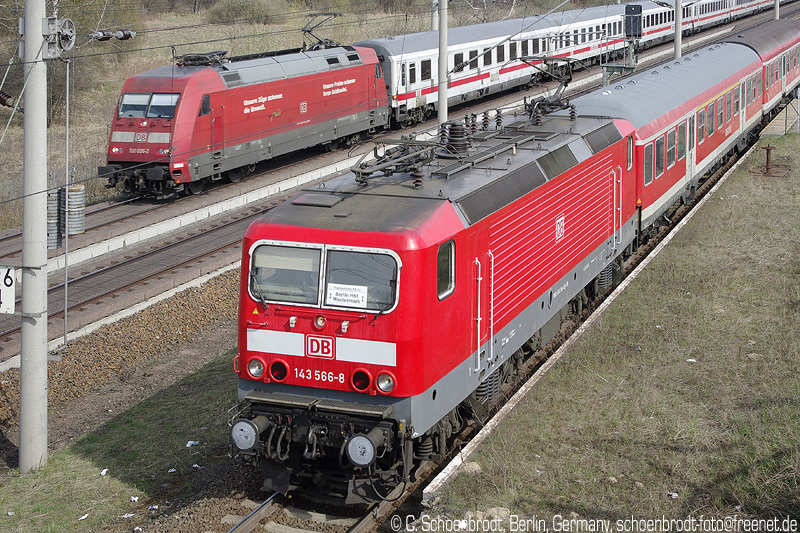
[6, 99]
[473, 124]
[458, 142]
[444, 133]
[102, 35]
[498, 119]
[486, 120]
[124, 35]
[537, 119]
[573, 113]
[417, 177]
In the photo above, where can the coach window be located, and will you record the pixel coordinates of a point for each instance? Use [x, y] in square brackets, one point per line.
[681, 140]
[412, 73]
[525, 48]
[720, 113]
[487, 57]
[648, 164]
[458, 62]
[425, 71]
[446, 270]
[759, 85]
[501, 53]
[728, 105]
[512, 51]
[473, 59]
[701, 126]
[630, 152]
[535, 46]
[659, 156]
[748, 92]
[403, 69]
[736, 101]
[670, 148]
[711, 116]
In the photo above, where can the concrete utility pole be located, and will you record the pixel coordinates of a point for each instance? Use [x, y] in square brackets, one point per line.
[33, 363]
[443, 78]
[777, 9]
[434, 15]
[678, 28]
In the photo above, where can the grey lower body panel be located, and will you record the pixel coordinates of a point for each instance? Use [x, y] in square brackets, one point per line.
[252, 152]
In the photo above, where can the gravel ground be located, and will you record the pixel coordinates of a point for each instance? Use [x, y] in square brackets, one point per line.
[122, 363]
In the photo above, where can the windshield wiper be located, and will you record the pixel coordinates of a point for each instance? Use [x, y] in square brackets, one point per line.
[257, 290]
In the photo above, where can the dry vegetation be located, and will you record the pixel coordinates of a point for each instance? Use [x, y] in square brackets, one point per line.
[682, 399]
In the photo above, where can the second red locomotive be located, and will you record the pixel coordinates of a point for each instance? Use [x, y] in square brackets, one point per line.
[231, 115]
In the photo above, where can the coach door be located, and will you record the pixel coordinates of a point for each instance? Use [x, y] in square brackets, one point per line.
[690, 150]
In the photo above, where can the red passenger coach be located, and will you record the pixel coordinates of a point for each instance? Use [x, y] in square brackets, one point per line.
[177, 128]
[381, 310]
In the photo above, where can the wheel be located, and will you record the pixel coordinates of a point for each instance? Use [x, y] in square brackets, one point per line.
[332, 146]
[236, 174]
[195, 187]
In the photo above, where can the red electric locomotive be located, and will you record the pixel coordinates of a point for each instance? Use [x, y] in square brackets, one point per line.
[378, 310]
[210, 117]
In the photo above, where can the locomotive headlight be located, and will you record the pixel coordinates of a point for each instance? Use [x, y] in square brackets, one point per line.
[244, 433]
[116, 149]
[320, 322]
[363, 449]
[255, 368]
[385, 383]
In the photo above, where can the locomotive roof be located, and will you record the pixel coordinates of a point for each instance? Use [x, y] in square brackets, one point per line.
[644, 98]
[264, 69]
[427, 40]
[479, 182]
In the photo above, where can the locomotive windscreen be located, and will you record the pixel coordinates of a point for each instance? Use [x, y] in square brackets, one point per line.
[147, 105]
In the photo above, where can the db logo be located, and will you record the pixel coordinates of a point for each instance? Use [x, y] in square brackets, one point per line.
[317, 346]
[560, 228]
[141, 137]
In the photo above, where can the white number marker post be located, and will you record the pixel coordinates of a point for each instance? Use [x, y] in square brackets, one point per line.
[7, 290]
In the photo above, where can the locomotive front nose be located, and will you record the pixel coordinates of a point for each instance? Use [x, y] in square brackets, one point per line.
[245, 433]
[363, 449]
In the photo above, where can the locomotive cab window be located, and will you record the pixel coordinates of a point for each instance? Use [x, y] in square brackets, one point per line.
[205, 106]
[312, 275]
[630, 152]
[147, 105]
[446, 270]
[360, 280]
[285, 274]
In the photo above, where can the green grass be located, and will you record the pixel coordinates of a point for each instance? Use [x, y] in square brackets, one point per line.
[626, 420]
[139, 447]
